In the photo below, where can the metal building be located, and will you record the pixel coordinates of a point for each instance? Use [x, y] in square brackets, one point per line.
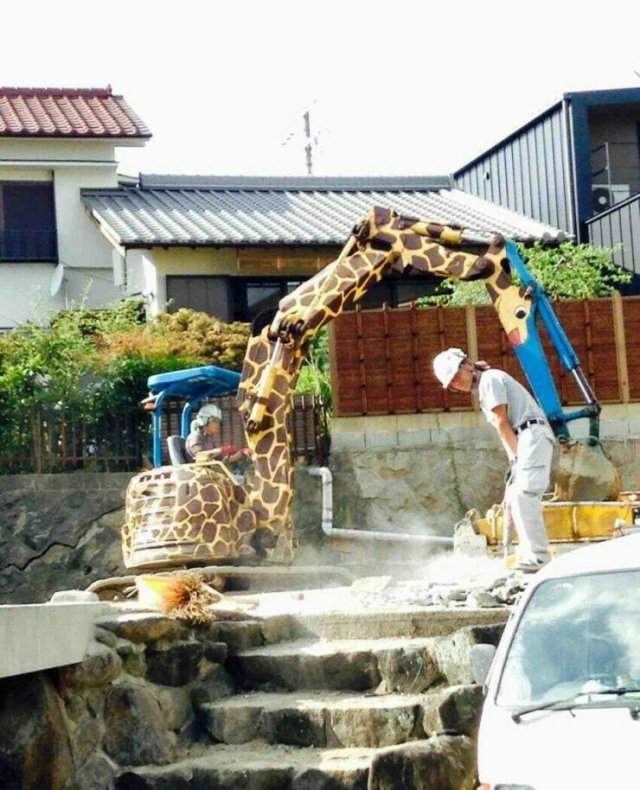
[575, 166]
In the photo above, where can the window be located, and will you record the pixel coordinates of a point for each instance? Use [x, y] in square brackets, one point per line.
[27, 222]
[228, 298]
[253, 296]
[575, 633]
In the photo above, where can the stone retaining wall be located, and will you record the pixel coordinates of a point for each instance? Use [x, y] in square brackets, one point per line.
[58, 531]
[131, 702]
[422, 472]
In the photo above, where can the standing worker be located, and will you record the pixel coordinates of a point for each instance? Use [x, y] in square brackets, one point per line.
[526, 437]
[205, 435]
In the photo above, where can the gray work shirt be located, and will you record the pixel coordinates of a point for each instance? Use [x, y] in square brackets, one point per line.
[198, 441]
[497, 387]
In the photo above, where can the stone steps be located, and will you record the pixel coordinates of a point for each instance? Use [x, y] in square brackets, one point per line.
[258, 767]
[316, 718]
[409, 622]
[408, 666]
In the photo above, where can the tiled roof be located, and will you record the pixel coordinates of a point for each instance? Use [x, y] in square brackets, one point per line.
[225, 211]
[67, 112]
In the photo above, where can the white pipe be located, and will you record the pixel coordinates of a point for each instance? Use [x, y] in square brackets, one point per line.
[357, 534]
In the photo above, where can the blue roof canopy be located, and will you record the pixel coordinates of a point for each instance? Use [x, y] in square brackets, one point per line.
[194, 383]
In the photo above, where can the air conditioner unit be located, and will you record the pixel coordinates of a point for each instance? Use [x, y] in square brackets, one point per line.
[604, 196]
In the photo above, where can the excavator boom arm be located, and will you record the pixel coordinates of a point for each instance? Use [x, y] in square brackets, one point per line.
[386, 240]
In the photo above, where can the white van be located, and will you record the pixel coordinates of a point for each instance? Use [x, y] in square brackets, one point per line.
[562, 702]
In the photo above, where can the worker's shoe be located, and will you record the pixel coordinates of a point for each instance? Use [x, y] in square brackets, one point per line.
[530, 565]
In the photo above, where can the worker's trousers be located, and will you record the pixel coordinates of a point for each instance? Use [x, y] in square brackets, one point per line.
[529, 481]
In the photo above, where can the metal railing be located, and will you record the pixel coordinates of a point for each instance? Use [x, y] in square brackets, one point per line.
[59, 440]
[28, 245]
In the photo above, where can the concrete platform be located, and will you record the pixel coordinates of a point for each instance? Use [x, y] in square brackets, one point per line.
[42, 636]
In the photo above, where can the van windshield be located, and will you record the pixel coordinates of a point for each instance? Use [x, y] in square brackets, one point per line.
[577, 634]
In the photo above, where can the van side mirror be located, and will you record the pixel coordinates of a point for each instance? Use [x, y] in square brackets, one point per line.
[481, 658]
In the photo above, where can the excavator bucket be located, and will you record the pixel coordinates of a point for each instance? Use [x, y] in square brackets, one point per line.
[584, 473]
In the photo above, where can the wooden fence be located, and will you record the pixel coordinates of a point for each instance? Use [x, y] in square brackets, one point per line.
[58, 440]
[381, 359]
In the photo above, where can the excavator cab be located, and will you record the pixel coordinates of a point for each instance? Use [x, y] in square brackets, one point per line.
[192, 387]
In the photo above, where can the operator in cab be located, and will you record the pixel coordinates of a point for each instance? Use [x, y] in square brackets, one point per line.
[526, 437]
[206, 435]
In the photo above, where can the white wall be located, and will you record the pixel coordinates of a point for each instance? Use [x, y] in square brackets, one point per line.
[142, 279]
[87, 256]
[24, 293]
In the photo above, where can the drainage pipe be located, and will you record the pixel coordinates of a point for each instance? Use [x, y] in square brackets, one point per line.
[357, 534]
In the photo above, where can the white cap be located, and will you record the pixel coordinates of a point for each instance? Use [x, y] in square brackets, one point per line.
[447, 363]
[207, 413]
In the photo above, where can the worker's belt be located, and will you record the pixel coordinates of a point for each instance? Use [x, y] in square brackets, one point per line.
[527, 423]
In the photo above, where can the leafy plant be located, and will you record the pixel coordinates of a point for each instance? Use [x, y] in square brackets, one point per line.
[569, 271]
[314, 376]
[97, 362]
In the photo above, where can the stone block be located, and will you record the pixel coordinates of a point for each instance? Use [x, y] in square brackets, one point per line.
[238, 635]
[408, 670]
[378, 440]
[614, 429]
[133, 657]
[135, 728]
[216, 652]
[440, 436]
[441, 763]
[347, 441]
[101, 666]
[417, 422]
[96, 774]
[233, 725]
[364, 727]
[414, 438]
[176, 665]
[453, 710]
[214, 684]
[175, 704]
[35, 748]
[293, 727]
[143, 627]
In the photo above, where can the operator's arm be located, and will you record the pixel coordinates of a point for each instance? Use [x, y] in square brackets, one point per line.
[506, 433]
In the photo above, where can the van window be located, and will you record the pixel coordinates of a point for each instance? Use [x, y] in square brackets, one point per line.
[573, 631]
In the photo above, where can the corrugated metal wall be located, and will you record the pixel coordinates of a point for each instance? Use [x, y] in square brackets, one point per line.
[528, 173]
[619, 226]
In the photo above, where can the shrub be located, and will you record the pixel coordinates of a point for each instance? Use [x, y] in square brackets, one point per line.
[568, 271]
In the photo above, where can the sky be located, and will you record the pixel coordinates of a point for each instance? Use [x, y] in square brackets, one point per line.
[393, 88]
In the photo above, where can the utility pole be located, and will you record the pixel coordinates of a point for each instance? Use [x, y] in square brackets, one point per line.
[308, 149]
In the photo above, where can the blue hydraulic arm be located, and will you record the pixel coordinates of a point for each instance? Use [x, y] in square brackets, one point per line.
[535, 365]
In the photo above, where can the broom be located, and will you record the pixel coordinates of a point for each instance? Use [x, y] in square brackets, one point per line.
[186, 596]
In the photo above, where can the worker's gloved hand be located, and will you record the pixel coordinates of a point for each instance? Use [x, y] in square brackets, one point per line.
[228, 449]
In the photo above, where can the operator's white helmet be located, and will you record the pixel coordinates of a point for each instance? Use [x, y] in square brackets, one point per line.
[446, 364]
[207, 413]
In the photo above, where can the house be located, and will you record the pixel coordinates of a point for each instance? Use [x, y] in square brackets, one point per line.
[73, 231]
[233, 246]
[53, 143]
[575, 166]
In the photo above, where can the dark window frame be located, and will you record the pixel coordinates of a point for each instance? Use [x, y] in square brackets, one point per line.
[29, 245]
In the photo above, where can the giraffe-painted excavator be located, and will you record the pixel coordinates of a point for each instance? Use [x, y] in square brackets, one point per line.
[198, 513]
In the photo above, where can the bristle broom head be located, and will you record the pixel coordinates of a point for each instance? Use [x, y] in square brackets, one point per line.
[185, 596]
